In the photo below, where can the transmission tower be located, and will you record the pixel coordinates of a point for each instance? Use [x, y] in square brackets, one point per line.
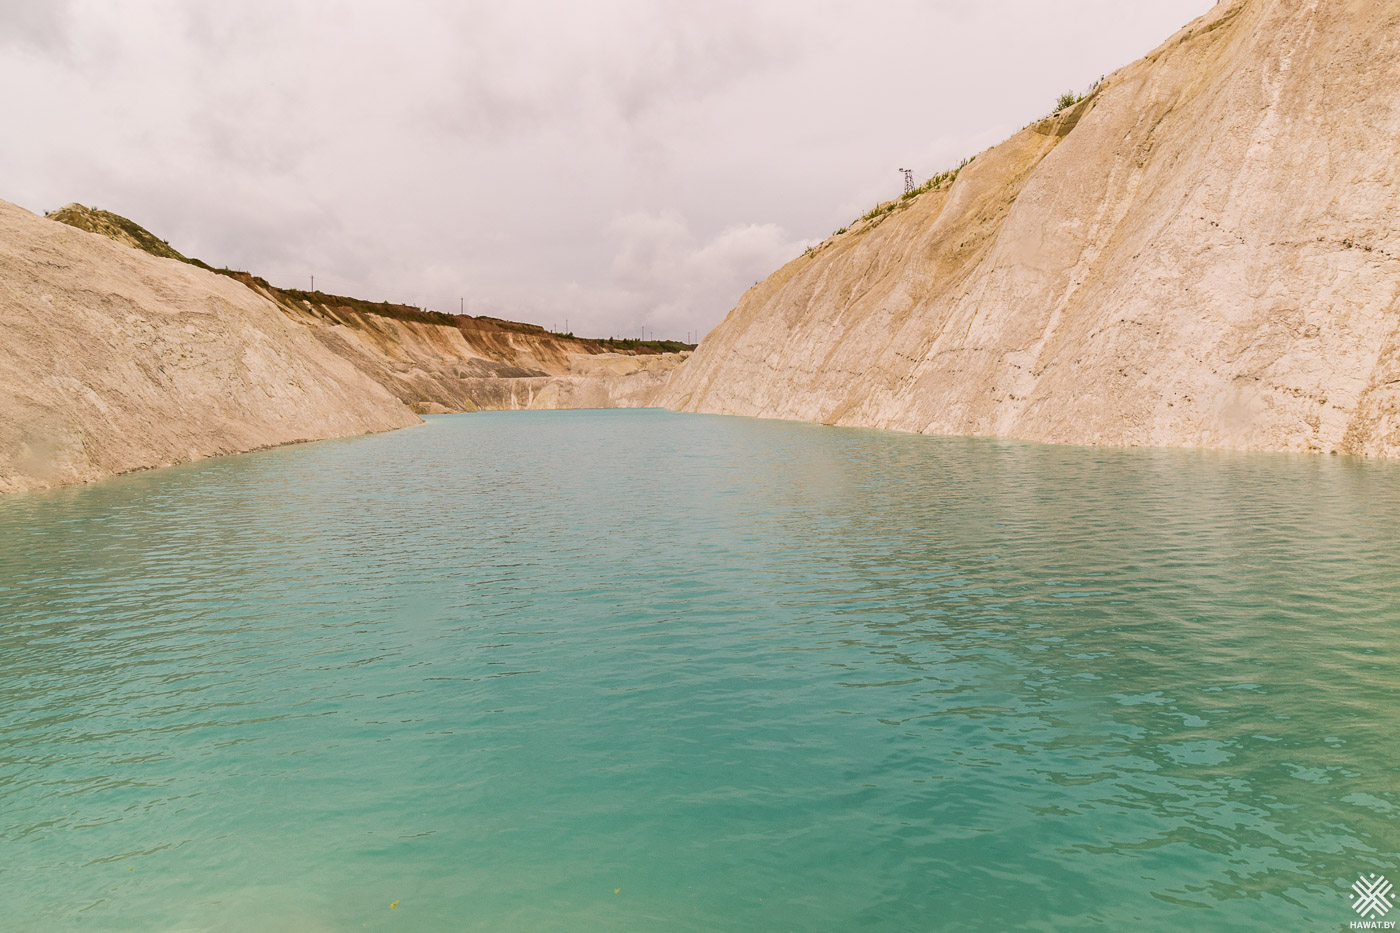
[908, 180]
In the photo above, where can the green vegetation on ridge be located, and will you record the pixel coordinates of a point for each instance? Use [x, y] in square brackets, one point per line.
[879, 211]
[130, 233]
[117, 227]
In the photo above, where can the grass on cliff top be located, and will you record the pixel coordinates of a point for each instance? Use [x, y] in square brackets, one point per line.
[117, 227]
[464, 321]
[633, 345]
[879, 211]
[130, 233]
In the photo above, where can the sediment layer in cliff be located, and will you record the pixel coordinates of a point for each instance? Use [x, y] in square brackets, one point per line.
[115, 360]
[1204, 252]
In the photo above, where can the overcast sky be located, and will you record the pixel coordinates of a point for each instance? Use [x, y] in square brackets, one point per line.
[618, 163]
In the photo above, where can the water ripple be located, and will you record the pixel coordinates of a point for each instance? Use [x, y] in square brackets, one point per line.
[633, 670]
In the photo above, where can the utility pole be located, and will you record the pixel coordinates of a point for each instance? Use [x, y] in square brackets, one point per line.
[463, 305]
[908, 180]
[313, 283]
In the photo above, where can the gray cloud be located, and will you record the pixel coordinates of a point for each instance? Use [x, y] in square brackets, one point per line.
[43, 26]
[618, 162]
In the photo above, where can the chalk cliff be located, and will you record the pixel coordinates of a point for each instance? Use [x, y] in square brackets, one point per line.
[438, 362]
[1204, 252]
[449, 362]
[115, 360]
[120, 353]
[605, 380]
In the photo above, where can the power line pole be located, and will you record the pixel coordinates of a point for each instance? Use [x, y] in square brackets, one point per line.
[908, 180]
[313, 283]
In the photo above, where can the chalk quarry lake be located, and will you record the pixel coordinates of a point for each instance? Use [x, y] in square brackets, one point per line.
[637, 671]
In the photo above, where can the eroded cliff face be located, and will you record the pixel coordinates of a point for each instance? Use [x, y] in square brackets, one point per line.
[114, 360]
[439, 363]
[1203, 253]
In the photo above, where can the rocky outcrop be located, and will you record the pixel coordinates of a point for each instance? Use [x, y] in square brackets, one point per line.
[1202, 253]
[115, 360]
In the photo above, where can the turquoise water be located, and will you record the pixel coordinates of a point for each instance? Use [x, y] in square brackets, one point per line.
[638, 671]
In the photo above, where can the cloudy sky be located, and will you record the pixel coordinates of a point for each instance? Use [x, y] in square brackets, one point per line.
[618, 163]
